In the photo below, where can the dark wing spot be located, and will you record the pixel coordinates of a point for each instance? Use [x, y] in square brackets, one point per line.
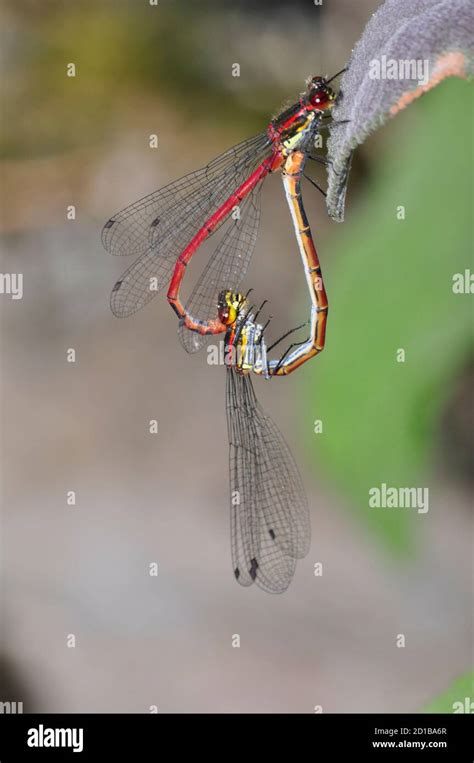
[109, 223]
[117, 286]
[237, 573]
[271, 534]
[253, 568]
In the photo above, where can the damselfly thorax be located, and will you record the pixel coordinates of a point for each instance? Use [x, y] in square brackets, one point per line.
[301, 134]
[245, 347]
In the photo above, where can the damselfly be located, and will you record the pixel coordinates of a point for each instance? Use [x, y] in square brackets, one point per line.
[269, 517]
[166, 227]
[270, 525]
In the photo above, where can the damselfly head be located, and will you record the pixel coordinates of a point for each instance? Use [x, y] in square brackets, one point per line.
[229, 306]
[319, 95]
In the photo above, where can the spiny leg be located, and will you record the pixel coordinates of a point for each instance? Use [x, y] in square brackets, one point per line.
[319, 159]
[287, 333]
[333, 122]
[286, 353]
[313, 182]
[260, 309]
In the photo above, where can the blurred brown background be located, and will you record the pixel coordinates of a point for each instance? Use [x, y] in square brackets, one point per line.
[83, 569]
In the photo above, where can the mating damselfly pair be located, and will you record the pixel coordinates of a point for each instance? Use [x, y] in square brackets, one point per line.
[270, 525]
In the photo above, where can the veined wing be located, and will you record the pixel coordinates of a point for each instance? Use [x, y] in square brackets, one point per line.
[159, 226]
[225, 269]
[270, 526]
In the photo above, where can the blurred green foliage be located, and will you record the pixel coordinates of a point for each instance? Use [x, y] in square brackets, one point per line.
[390, 287]
[461, 690]
[129, 61]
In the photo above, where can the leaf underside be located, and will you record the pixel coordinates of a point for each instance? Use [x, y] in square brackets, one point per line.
[438, 33]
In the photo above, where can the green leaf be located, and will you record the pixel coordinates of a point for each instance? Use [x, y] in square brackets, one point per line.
[390, 286]
[455, 699]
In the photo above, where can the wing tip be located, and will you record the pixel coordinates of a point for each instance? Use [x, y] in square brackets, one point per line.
[253, 568]
[106, 241]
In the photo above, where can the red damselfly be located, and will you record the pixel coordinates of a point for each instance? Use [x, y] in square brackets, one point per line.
[166, 227]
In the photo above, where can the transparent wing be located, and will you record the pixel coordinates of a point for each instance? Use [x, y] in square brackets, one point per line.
[225, 269]
[130, 231]
[159, 226]
[270, 526]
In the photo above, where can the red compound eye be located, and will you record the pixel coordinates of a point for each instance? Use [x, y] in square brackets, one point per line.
[320, 99]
